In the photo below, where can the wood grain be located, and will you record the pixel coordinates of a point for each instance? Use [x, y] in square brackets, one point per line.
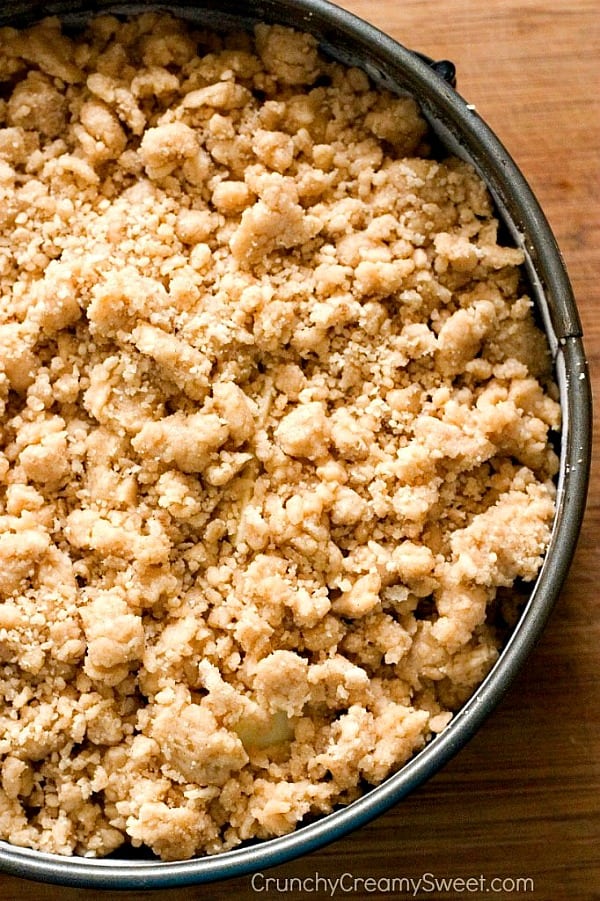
[523, 798]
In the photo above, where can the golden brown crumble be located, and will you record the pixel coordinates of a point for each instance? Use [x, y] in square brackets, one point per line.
[274, 433]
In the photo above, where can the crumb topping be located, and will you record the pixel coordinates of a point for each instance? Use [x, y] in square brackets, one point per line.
[274, 435]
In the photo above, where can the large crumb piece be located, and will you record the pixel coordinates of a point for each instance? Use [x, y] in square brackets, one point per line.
[277, 426]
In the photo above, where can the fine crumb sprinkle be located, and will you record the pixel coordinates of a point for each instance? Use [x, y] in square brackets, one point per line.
[274, 438]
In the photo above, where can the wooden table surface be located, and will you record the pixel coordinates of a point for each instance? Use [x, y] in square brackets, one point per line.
[522, 800]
